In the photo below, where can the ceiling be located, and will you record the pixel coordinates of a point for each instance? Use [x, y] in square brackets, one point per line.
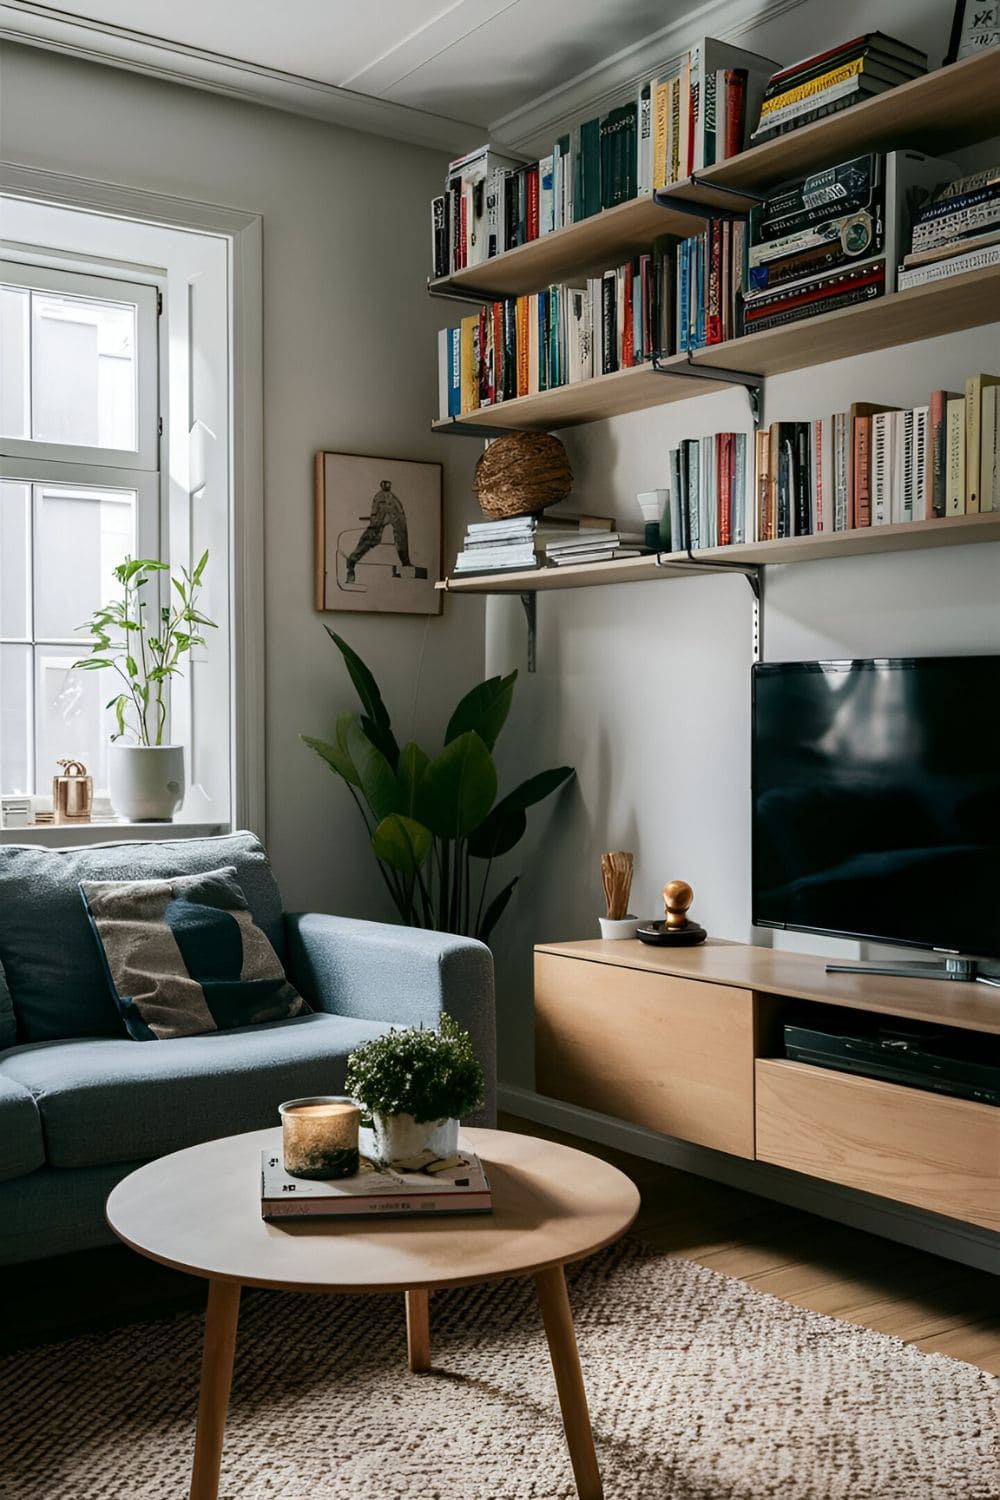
[480, 63]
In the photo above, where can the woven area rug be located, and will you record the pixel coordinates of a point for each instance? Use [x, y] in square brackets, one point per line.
[700, 1389]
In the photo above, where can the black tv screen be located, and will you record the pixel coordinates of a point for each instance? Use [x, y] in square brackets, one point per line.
[876, 800]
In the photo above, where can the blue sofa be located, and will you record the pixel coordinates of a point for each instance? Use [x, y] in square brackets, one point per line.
[81, 1104]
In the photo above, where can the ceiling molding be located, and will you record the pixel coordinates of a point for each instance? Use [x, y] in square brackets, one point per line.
[535, 125]
[170, 62]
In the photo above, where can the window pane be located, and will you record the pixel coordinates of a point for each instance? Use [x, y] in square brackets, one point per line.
[83, 371]
[15, 559]
[15, 720]
[81, 535]
[72, 721]
[13, 362]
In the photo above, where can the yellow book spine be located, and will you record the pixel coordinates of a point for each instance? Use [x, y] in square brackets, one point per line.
[813, 86]
[470, 375]
[660, 135]
[974, 441]
[955, 470]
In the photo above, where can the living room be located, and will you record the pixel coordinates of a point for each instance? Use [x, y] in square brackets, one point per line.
[273, 175]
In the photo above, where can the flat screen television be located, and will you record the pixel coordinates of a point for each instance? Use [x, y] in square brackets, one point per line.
[876, 800]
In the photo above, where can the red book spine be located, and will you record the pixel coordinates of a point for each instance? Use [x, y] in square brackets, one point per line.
[533, 202]
[628, 326]
[862, 471]
[736, 103]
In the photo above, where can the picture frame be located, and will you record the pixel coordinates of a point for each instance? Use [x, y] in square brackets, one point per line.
[975, 27]
[378, 529]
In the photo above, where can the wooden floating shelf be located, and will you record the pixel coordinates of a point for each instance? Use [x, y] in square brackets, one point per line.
[921, 312]
[865, 541]
[949, 108]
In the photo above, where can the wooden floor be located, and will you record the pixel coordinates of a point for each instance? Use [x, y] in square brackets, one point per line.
[935, 1304]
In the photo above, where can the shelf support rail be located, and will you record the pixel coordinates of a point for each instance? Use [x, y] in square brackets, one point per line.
[668, 197]
[752, 384]
[529, 599]
[752, 572]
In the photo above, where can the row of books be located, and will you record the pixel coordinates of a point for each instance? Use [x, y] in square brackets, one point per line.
[957, 230]
[524, 542]
[563, 334]
[700, 114]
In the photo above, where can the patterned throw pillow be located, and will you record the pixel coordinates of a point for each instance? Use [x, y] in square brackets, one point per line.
[183, 956]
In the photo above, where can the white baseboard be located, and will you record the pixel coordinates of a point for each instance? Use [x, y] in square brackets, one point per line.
[909, 1226]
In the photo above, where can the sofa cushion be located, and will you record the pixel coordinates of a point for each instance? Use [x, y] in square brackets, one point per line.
[8, 1025]
[21, 1146]
[185, 955]
[104, 1100]
[47, 950]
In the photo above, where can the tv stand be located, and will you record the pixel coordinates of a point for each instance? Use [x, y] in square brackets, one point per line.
[963, 969]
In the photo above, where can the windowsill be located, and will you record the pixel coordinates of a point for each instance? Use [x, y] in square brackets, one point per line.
[73, 835]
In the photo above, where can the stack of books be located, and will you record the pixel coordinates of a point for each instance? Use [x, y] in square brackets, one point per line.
[834, 80]
[711, 482]
[599, 547]
[959, 230]
[522, 542]
[452, 1185]
[834, 238]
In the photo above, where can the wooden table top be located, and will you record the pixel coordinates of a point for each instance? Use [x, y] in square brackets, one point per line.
[199, 1211]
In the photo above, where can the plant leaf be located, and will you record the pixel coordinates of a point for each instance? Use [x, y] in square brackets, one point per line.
[506, 824]
[495, 911]
[375, 775]
[365, 686]
[402, 843]
[337, 759]
[409, 773]
[484, 709]
[382, 739]
[458, 787]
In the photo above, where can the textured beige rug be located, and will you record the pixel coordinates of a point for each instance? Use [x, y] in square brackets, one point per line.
[700, 1389]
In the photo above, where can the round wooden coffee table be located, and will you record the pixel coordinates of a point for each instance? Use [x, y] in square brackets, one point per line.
[199, 1211]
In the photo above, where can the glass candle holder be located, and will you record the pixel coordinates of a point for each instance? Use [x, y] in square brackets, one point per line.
[319, 1136]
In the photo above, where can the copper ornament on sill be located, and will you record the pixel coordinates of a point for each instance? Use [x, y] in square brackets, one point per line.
[72, 793]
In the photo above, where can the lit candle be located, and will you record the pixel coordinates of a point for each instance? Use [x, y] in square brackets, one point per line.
[319, 1136]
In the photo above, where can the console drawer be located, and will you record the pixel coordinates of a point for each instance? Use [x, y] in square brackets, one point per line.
[673, 1055]
[902, 1143]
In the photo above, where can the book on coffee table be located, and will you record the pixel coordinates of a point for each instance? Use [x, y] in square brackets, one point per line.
[450, 1185]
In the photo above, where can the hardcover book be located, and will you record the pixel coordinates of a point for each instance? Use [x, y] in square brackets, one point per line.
[455, 1185]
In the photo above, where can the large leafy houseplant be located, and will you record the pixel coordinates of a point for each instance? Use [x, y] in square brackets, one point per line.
[434, 822]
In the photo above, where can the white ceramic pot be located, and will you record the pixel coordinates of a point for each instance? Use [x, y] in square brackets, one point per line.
[400, 1137]
[618, 927]
[146, 782]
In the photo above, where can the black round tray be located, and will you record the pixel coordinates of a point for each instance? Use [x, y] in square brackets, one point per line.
[671, 937]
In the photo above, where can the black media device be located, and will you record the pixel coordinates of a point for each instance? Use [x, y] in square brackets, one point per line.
[876, 803]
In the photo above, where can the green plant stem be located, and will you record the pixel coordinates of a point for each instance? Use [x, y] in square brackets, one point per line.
[482, 895]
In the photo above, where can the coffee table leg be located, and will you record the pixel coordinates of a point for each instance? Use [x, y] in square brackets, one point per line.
[558, 1319]
[216, 1378]
[418, 1331]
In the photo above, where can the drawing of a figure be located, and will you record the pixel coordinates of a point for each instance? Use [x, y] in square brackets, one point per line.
[386, 510]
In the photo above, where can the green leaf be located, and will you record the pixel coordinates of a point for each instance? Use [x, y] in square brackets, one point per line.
[364, 684]
[484, 710]
[382, 739]
[337, 759]
[92, 663]
[506, 824]
[458, 787]
[199, 567]
[409, 774]
[375, 775]
[131, 666]
[495, 911]
[402, 843]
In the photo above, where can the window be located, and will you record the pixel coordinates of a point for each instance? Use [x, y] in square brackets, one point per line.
[79, 490]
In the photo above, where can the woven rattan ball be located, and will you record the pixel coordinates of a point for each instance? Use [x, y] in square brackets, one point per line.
[521, 473]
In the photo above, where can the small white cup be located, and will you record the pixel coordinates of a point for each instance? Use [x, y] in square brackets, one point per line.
[618, 927]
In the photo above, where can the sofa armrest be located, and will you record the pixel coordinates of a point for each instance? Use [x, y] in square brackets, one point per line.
[405, 976]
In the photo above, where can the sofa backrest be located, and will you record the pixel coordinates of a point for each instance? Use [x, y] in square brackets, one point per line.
[50, 959]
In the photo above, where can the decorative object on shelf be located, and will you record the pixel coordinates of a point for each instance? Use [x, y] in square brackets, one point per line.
[416, 1084]
[521, 473]
[676, 930]
[146, 777]
[656, 518]
[616, 876]
[319, 1136]
[72, 793]
[434, 822]
[15, 812]
[975, 28]
[378, 534]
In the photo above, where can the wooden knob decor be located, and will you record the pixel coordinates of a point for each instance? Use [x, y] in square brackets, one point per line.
[521, 473]
[677, 897]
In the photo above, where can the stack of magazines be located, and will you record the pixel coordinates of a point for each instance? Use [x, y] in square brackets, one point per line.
[522, 542]
[959, 230]
[834, 80]
[598, 548]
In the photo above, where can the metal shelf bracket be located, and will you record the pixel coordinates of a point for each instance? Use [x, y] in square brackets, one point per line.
[529, 600]
[668, 197]
[752, 572]
[457, 428]
[752, 384]
[447, 289]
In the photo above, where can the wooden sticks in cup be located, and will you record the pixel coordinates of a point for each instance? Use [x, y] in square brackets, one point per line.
[616, 874]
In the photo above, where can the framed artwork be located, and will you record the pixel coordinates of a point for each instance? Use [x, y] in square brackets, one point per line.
[378, 534]
[976, 26]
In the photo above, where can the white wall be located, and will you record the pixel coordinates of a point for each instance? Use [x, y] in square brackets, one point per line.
[645, 688]
[349, 364]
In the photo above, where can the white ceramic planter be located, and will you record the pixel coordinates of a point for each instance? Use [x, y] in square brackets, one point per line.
[618, 927]
[146, 782]
[400, 1137]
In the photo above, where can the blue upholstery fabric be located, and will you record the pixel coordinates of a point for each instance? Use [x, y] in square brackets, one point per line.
[21, 1146]
[104, 1100]
[47, 950]
[53, 1212]
[399, 974]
